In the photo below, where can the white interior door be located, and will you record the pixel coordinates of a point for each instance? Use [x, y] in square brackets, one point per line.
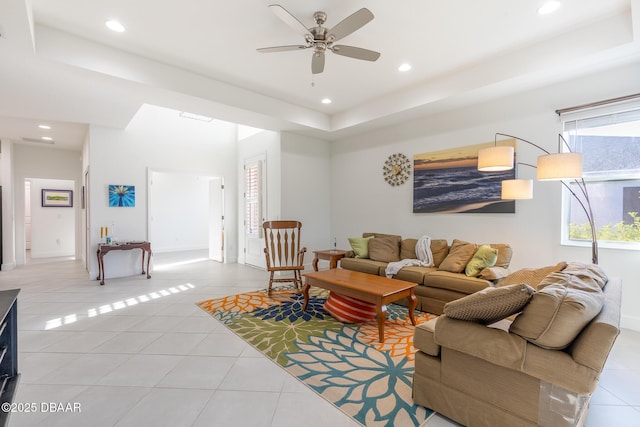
[254, 208]
[216, 219]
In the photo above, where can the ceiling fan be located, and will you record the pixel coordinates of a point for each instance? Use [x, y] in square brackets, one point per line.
[321, 39]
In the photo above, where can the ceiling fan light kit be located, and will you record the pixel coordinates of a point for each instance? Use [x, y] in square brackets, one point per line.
[321, 39]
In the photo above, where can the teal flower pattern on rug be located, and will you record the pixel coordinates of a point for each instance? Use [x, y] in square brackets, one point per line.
[344, 363]
[347, 372]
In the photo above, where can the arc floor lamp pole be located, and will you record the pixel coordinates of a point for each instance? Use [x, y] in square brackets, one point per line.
[559, 166]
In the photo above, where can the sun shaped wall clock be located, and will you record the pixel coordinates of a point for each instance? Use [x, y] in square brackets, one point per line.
[396, 169]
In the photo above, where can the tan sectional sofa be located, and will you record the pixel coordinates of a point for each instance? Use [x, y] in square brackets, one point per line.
[537, 370]
[445, 281]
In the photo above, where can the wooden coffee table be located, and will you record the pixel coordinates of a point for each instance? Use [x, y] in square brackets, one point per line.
[366, 287]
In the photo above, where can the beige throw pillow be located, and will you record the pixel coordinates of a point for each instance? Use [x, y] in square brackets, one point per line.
[532, 276]
[385, 249]
[459, 255]
[439, 250]
[408, 249]
[490, 304]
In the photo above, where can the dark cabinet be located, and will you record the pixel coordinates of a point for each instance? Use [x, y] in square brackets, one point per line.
[8, 349]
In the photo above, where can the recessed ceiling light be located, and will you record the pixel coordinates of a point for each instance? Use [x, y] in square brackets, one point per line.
[114, 25]
[404, 67]
[548, 7]
[44, 126]
[326, 101]
[47, 138]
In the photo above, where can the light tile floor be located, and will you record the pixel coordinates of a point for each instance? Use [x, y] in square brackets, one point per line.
[138, 352]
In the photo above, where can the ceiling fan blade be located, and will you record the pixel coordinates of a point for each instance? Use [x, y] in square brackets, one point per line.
[350, 24]
[356, 52]
[281, 48]
[317, 63]
[289, 19]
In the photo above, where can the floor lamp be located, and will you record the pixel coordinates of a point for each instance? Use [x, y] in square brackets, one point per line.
[558, 166]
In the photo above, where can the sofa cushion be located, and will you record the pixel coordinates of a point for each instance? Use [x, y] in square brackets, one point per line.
[505, 252]
[349, 310]
[490, 304]
[414, 274]
[408, 249]
[439, 250]
[455, 282]
[385, 249]
[563, 305]
[494, 273]
[587, 272]
[360, 246]
[532, 276]
[459, 255]
[363, 265]
[485, 256]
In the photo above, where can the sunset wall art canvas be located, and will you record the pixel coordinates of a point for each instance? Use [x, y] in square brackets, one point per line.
[448, 181]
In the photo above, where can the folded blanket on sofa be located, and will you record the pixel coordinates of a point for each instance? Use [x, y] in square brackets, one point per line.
[423, 252]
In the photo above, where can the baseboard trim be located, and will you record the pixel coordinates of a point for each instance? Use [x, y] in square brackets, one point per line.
[630, 322]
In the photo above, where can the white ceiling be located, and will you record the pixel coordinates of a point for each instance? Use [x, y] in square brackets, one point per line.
[61, 65]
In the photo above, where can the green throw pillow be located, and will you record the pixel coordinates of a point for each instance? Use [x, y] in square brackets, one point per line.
[485, 256]
[360, 246]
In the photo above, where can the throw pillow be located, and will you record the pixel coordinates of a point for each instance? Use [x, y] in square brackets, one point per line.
[485, 256]
[408, 249]
[490, 304]
[440, 250]
[558, 311]
[459, 255]
[349, 310]
[385, 249]
[532, 276]
[360, 246]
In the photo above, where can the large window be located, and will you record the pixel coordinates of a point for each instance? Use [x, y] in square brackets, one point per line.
[610, 143]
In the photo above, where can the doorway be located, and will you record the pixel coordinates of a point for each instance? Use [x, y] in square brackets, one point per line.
[186, 213]
[49, 231]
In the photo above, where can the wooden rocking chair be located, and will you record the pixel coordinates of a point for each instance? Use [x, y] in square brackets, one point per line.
[283, 252]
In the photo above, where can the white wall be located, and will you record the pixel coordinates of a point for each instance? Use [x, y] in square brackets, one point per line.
[156, 139]
[8, 223]
[53, 229]
[44, 163]
[306, 189]
[361, 200]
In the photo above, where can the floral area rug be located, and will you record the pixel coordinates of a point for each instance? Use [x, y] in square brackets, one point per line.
[344, 363]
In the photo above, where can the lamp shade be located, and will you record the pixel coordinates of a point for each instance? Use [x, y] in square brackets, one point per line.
[559, 166]
[498, 158]
[513, 189]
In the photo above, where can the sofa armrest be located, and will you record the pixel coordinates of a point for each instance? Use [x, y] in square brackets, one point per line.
[423, 338]
[511, 351]
[491, 344]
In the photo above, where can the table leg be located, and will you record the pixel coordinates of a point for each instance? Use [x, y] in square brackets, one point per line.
[148, 261]
[143, 254]
[101, 267]
[381, 317]
[305, 291]
[413, 303]
[315, 263]
[333, 263]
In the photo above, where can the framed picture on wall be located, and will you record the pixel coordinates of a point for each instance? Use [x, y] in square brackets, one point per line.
[122, 196]
[57, 198]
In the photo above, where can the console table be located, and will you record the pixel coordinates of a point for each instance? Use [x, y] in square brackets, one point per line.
[145, 247]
